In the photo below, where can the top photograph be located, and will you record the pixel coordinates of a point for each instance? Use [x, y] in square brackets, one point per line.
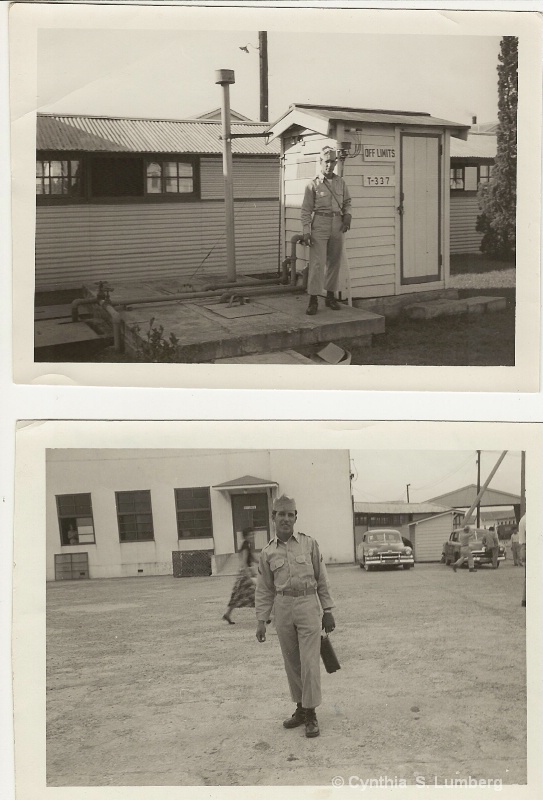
[197, 203]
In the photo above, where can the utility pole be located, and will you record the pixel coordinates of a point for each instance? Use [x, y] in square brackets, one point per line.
[478, 487]
[263, 62]
[225, 77]
[407, 487]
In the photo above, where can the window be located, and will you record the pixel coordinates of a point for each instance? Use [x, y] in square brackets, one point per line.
[485, 173]
[169, 177]
[58, 177]
[193, 508]
[457, 177]
[134, 516]
[75, 520]
[466, 178]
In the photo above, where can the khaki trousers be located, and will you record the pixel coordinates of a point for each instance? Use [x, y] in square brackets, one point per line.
[465, 555]
[298, 621]
[325, 254]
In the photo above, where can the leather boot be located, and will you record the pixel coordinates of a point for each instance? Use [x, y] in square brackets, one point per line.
[311, 724]
[297, 719]
[331, 302]
[313, 305]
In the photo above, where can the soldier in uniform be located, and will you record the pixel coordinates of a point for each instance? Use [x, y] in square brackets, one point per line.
[465, 537]
[292, 578]
[491, 542]
[326, 216]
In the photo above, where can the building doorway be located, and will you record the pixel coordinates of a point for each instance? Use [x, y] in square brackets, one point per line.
[251, 510]
[420, 208]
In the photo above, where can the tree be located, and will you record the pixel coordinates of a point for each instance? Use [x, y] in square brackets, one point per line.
[498, 198]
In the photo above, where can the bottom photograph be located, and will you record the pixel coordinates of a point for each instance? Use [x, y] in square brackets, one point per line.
[341, 616]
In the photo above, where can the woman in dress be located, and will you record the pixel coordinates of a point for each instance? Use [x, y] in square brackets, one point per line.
[243, 593]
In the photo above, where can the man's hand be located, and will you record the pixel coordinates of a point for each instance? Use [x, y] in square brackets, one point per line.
[328, 622]
[346, 223]
[261, 631]
[307, 239]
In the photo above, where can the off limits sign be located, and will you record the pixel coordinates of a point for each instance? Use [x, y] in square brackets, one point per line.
[378, 152]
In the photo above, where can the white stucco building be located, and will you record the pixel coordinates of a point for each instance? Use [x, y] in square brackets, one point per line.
[114, 513]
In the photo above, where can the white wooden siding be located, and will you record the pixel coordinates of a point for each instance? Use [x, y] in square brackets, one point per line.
[253, 178]
[429, 537]
[464, 211]
[370, 244]
[85, 243]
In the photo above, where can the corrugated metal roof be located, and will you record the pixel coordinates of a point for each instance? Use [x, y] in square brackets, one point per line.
[362, 115]
[464, 497]
[126, 135]
[478, 145]
[399, 508]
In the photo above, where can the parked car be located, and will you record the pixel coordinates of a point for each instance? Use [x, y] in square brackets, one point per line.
[451, 548]
[384, 547]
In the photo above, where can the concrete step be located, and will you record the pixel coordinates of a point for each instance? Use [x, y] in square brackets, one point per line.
[54, 332]
[444, 307]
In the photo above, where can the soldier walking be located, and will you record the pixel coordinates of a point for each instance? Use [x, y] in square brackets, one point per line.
[292, 578]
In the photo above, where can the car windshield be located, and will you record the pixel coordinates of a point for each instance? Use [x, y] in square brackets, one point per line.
[384, 536]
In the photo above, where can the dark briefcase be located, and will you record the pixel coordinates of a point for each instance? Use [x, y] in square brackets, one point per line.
[328, 655]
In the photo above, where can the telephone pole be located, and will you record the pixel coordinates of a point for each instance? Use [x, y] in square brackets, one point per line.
[263, 62]
[407, 488]
[478, 487]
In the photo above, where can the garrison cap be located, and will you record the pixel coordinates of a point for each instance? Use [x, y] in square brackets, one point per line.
[284, 503]
[328, 149]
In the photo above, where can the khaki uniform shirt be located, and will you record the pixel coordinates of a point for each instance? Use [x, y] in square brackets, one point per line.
[491, 539]
[324, 194]
[294, 565]
[465, 538]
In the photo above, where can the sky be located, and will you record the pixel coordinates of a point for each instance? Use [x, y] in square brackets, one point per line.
[382, 475]
[171, 73]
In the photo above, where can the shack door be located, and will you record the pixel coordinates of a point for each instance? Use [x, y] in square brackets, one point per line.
[251, 510]
[420, 209]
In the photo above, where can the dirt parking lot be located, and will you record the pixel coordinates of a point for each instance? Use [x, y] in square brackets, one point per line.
[146, 685]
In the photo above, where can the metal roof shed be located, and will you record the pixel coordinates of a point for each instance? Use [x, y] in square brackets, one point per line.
[397, 170]
[428, 535]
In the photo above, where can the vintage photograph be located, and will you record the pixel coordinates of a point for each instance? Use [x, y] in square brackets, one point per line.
[191, 594]
[324, 196]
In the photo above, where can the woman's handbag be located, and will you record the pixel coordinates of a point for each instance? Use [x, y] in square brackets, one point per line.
[328, 655]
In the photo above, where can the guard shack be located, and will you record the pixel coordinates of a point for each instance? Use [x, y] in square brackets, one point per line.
[396, 165]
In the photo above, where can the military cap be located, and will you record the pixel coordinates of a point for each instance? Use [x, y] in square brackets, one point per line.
[284, 503]
[328, 149]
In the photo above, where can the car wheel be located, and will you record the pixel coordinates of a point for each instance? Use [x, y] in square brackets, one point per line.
[407, 566]
[361, 566]
[367, 567]
[498, 564]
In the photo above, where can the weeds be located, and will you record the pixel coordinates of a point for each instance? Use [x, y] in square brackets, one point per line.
[155, 348]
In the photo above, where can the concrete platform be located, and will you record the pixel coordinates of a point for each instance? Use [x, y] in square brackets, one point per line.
[205, 335]
[441, 308]
[55, 332]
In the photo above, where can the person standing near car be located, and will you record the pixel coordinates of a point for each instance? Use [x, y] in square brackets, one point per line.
[326, 217]
[465, 537]
[515, 547]
[292, 578]
[490, 541]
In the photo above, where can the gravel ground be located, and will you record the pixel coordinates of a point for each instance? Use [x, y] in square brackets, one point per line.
[494, 279]
[146, 685]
